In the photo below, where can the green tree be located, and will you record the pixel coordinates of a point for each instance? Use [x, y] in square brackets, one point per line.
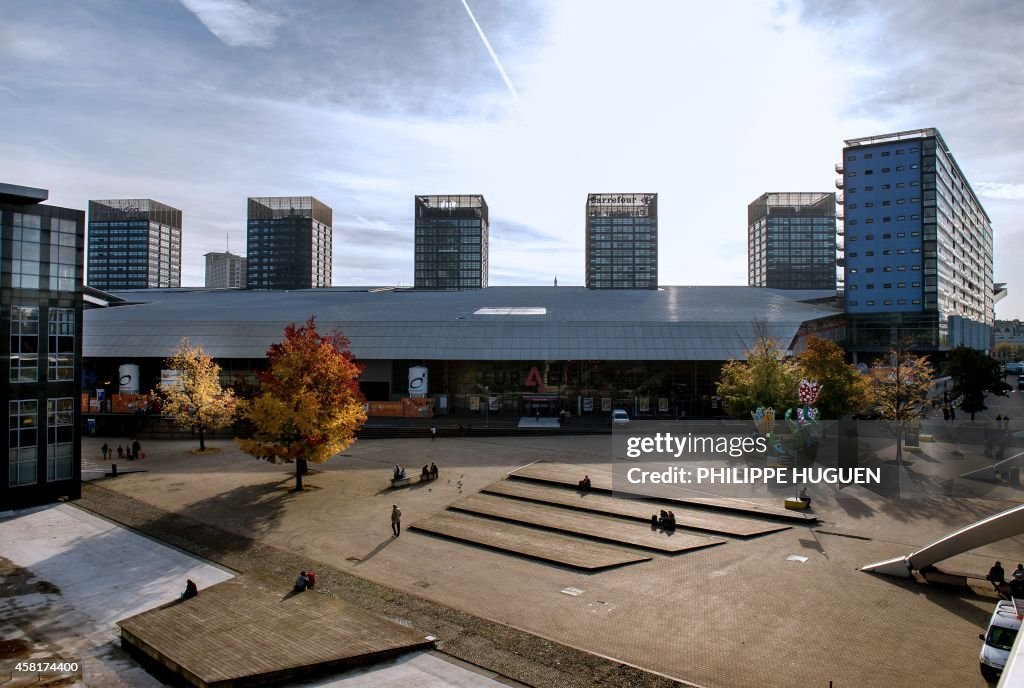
[195, 398]
[824, 362]
[974, 374]
[897, 390]
[309, 407]
[765, 379]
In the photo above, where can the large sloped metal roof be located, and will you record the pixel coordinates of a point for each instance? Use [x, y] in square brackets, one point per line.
[565, 323]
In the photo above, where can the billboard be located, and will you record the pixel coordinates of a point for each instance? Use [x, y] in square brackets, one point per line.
[418, 381]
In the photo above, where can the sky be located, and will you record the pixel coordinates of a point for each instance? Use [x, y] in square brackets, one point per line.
[366, 103]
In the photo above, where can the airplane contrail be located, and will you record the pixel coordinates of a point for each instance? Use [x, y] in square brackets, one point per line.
[494, 56]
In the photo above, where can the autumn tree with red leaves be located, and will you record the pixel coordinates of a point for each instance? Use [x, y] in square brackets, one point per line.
[309, 407]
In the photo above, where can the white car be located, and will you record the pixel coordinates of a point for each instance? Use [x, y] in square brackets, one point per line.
[619, 417]
[1016, 368]
[998, 640]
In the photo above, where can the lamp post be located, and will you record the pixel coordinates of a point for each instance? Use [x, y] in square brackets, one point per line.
[487, 406]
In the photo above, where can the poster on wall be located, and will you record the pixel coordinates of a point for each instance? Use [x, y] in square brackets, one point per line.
[492, 403]
[662, 404]
[474, 403]
[417, 381]
[645, 405]
[588, 404]
[606, 403]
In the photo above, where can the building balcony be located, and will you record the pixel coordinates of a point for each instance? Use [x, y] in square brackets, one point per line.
[839, 183]
[839, 168]
[839, 198]
[839, 216]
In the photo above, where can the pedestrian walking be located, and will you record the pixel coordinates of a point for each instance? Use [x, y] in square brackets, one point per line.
[120, 452]
[433, 433]
[106, 450]
[1006, 423]
[396, 520]
[136, 449]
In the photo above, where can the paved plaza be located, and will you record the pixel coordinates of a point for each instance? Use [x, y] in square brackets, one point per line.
[70, 576]
[741, 614]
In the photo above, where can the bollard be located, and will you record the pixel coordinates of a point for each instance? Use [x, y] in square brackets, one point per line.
[113, 469]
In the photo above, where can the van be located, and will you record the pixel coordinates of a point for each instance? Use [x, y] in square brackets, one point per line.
[998, 640]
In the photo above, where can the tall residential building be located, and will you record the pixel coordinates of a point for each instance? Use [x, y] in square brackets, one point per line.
[225, 270]
[918, 246]
[289, 243]
[622, 241]
[134, 244]
[451, 242]
[41, 268]
[791, 241]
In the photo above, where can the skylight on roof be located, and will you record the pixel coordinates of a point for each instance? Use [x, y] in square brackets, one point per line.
[519, 310]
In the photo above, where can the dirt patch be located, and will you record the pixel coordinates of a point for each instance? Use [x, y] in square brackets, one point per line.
[14, 649]
[208, 450]
[20, 581]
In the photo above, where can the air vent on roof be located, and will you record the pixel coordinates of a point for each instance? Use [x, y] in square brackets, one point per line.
[527, 310]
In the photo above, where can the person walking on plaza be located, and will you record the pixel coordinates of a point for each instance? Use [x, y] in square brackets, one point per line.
[433, 433]
[120, 452]
[136, 449]
[106, 450]
[396, 520]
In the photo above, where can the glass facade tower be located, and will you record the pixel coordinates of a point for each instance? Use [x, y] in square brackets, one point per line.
[134, 244]
[791, 241]
[41, 266]
[622, 241]
[451, 236]
[289, 243]
[918, 246]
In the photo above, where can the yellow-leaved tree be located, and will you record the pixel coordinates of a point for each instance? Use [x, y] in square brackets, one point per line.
[309, 407]
[195, 398]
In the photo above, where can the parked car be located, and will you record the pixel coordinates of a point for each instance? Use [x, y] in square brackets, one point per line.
[1015, 367]
[998, 640]
[620, 417]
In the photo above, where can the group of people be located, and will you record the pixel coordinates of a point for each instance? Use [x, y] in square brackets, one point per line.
[664, 519]
[997, 577]
[305, 581]
[585, 483]
[399, 472]
[134, 451]
[429, 472]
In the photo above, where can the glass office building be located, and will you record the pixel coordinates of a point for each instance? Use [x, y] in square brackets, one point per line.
[622, 241]
[134, 244]
[225, 271]
[41, 265]
[791, 241]
[289, 243]
[451, 235]
[918, 246]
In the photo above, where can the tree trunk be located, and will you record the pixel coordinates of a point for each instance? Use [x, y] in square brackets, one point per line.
[899, 446]
[303, 465]
[202, 439]
[298, 475]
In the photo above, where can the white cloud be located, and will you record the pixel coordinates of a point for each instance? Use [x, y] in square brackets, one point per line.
[236, 22]
[1007, 191]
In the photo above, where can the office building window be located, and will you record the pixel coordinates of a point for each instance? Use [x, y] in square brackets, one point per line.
[60, 435]
[22, 450]
[63, 255]
[24, 344]
[61, 353]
